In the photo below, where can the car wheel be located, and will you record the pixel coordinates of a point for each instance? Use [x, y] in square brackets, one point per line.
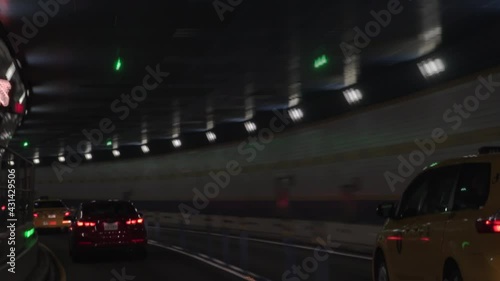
[381, 274]
[452, 274]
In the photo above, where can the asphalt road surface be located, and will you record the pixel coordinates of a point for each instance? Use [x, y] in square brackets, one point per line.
[161, 264]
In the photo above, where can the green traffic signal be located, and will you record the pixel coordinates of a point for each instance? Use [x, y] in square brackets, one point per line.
[118, 64]
[320, 61]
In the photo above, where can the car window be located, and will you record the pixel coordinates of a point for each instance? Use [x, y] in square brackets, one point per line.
[473, 186]
[413, 196]
[49, 204]
[108, 209]
[440, 189]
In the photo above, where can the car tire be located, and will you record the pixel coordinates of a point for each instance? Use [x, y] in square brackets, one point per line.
[381, 273]
[452, 274]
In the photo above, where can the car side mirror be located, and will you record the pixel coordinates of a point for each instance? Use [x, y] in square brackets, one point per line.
[386, 210]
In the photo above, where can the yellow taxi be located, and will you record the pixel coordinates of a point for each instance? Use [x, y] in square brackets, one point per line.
[446, 225]
[50, 213]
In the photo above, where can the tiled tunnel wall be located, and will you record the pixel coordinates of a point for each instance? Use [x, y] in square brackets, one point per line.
[330, 171]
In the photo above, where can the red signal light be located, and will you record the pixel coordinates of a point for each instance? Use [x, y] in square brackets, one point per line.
[18, 108]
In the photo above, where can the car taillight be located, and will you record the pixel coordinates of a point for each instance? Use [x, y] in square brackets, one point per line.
[35, 215]
[85, 223]
[489, 225]
[134, 221]
[67, 214]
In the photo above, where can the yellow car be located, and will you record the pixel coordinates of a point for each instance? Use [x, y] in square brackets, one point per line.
[446, 225]
[50, 214]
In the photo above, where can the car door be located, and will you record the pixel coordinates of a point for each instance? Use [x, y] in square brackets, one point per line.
[399, 255]
[425, 236]
[462, 240]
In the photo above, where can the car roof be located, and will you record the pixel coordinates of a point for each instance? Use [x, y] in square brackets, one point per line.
[476, 158]
[106, 201]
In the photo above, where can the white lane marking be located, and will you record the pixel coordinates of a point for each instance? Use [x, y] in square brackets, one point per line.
[60, 267]
[18, 257]
[362, 257]
[218, 261]
[231, 271]
[234, 267]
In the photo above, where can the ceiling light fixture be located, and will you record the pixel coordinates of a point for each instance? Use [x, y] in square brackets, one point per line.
[296, 114]
[353, 96]
[176, 143]
[431, 67]
[211, 136]
[250, 126]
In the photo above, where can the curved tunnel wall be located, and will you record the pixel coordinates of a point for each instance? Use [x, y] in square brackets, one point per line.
[330, 171]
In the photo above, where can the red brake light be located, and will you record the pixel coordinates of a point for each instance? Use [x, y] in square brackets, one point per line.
[490, 225]
[134, 221]
[3, 207]
[35, 215]
[394, 238]
[67, 214]
[85, 223]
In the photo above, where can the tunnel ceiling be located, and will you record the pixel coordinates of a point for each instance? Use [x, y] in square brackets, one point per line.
[227, 62]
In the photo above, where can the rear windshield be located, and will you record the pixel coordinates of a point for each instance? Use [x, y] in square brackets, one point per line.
[49, 204]
[108, 209]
